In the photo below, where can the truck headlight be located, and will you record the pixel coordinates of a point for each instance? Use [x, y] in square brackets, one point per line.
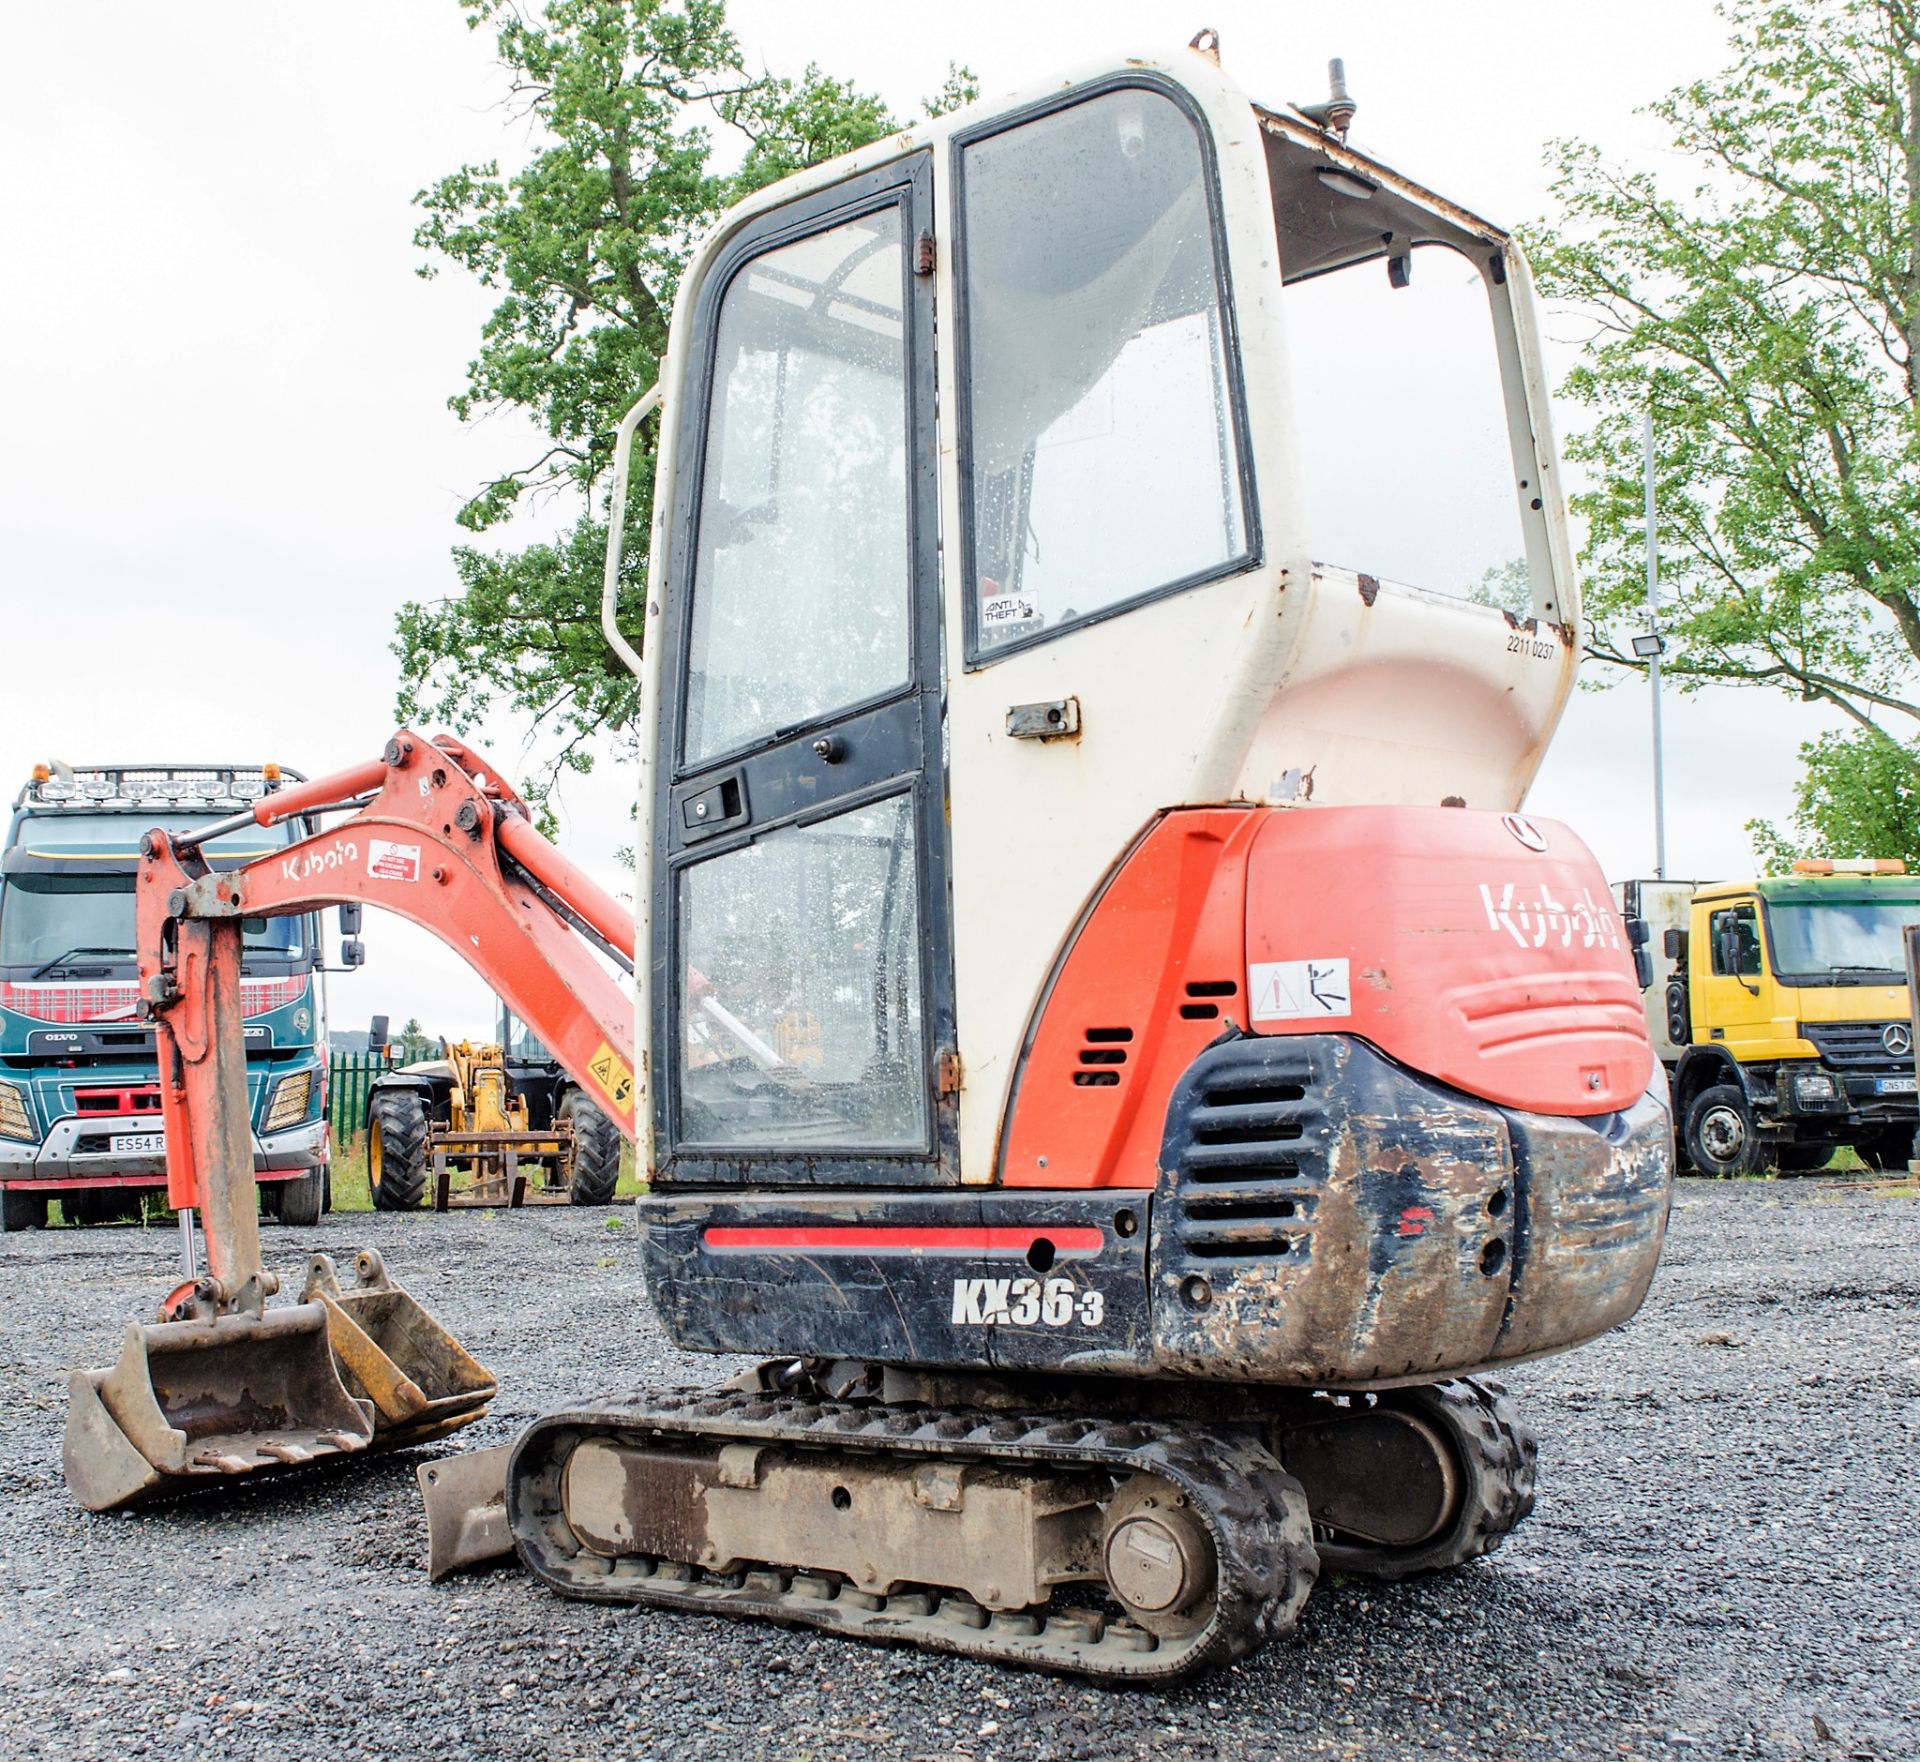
[1812, 1088]
[289, 1106]
[15, 1122]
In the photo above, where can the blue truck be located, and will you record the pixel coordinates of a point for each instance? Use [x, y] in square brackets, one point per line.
[79, 1089]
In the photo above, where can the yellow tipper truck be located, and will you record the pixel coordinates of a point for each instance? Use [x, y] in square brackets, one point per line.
[1781, 1012]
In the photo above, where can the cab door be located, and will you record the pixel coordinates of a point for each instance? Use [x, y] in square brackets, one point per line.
[803, 981]
[1730, 980]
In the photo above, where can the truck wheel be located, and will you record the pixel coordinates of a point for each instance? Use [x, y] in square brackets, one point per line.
[1802, 1159]
[596, 1149]
[397, 1150]
[109, 1205]
[1720, 1134]
[300, 1200]
[1888, 1151]
[24, 1211]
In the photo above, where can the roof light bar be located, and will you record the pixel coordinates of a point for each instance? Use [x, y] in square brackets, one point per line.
[1849, 866]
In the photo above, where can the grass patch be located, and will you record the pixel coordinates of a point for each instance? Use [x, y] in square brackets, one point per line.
[351, 1190]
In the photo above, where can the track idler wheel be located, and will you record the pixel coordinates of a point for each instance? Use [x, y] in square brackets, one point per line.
[1414, 1480]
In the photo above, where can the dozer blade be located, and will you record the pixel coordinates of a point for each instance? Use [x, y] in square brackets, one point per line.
[422, 1383]
[193, 1403]
[466, 1501]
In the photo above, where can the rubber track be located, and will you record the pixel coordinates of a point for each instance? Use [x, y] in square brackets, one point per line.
[1500, 1471]
[1255, 1513]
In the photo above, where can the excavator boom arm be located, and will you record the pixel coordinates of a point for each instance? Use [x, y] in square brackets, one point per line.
[439, 839]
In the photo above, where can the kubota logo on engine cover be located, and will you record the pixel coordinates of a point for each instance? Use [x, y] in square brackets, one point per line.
[1536, 918]
[1023, 1302]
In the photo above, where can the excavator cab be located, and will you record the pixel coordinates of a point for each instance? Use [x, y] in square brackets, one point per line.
[924, 667]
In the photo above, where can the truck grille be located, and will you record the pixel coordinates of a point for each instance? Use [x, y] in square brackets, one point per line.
[1857, 1046]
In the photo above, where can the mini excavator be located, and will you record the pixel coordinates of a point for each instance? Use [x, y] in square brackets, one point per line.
[1097, 1023]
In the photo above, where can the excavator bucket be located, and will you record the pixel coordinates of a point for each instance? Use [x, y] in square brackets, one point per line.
[222, 1385]
[419, 1380]
[190, 1403]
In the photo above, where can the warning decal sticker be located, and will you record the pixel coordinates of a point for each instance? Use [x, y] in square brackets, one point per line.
[387, 861]
[1288, 991]
[614, 1075]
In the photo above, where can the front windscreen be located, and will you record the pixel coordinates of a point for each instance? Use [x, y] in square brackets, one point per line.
[78, 917]
[802, 1024]
[1406, 457]
[1835, 937]
[523, 1043]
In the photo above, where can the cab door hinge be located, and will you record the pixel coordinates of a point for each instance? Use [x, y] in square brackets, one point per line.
[947, 1075]
[923, 255]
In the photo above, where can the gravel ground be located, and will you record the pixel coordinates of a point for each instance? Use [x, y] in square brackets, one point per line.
[1723, 1562]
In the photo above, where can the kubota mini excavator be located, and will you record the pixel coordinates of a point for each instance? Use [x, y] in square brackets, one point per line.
[1101, 1027]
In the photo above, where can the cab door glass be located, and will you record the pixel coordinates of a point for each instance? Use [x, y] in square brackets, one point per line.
[800, 595]
[1102, 432]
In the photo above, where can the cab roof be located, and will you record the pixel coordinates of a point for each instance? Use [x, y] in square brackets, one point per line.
[1806, 889]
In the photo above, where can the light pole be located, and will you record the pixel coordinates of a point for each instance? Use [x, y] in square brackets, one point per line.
[1649, 649]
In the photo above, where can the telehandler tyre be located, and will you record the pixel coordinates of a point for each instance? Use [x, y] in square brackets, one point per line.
[596, 1150]
[1720, 1136]
[397, 1150]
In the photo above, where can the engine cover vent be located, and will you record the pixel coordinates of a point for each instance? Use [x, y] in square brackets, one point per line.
[1250, 1144]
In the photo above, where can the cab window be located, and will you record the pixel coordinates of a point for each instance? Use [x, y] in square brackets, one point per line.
[1735, 942]
[1103, 449]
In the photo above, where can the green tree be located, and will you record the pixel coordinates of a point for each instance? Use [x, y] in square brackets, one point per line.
[1769, 317]
[1858, 797]
[1506, 586]
[584, 247]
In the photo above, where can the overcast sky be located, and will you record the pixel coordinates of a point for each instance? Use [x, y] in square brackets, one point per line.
[227, 458]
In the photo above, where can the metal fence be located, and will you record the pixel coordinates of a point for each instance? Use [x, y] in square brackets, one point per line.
[349, 1076]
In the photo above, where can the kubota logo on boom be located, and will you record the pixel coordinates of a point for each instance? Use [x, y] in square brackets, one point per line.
[1537, 918]
[337, 855]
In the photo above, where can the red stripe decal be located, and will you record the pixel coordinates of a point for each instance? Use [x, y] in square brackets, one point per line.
[888, 1239]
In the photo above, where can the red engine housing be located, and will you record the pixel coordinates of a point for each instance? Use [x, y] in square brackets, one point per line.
[1480, 949]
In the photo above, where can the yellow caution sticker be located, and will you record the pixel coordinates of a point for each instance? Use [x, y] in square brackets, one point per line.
[614, 1075]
